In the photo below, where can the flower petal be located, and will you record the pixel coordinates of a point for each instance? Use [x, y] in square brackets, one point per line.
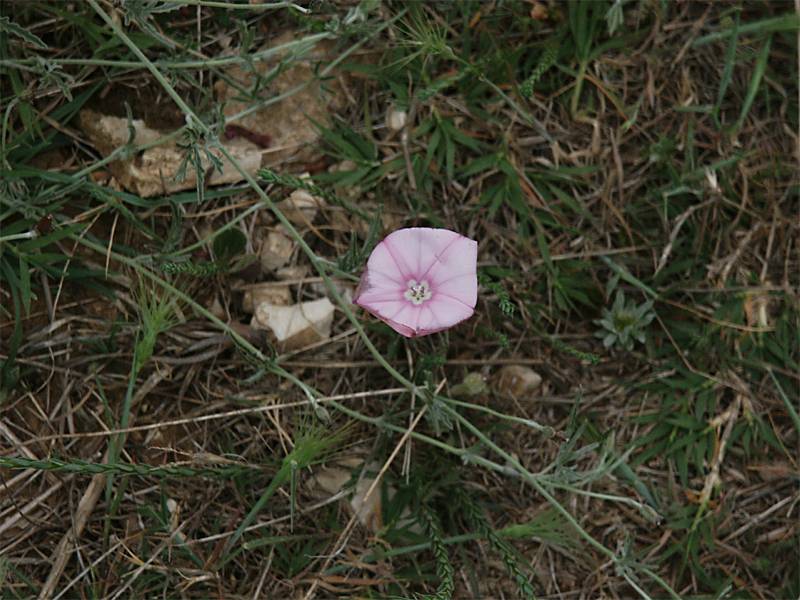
[383, 269]
[434, 243]
[416, 249]
[459, 258]
[403, 321]
[402, 246]
[407, 316]
[442, 313]
[403, 330]
[383, 308]
[463, 288]
[375, 295]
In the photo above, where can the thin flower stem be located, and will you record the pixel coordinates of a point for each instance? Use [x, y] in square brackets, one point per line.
[634, 584]
[239, 6]
[177, 65]
[610, 497]
[123, 150]
[655, 577]
[27, 235]
[544, 429]
[87, 468]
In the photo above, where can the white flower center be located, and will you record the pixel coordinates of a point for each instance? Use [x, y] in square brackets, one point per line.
[418, 293]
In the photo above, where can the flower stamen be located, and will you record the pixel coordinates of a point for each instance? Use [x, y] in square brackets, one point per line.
[418, 292]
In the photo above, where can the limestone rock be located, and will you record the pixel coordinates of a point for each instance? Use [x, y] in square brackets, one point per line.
[276, 250]
[283, 128]
[297, 325]
[301, 207]
[268, 293]
[289, 123]
[153, 172]
[517, 381]
[396, 119]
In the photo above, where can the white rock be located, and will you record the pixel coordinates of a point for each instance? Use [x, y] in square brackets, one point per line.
[268, 293]
[301, 207]
[153, 172]
[396, 119]
[368, 508]
[297, 325]
[332, 479]
[276, 250]
[343, 167]
[293, 273]
[517, 381]
[289, 124]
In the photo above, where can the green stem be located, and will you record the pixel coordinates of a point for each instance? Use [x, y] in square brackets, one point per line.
[280, 478]
[115, 447]
[177, 65]
[789, 407]
[27, 235]
[576, 93]
[239, 6]
[138, 469]
[544, 429]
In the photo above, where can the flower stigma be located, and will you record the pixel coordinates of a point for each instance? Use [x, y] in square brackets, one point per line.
[418, 293]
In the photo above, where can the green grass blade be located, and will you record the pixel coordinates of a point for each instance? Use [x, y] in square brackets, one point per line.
[789, 406]
[789, 22]
[727, 71]
[755, 82]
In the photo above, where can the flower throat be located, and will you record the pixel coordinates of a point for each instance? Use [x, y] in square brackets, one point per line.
[418, 293]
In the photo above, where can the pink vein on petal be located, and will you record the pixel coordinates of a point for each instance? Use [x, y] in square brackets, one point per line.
[402, 308]
[382, 254]
[453, 278]
[438, 257]
[431, 322]
[419, 254]
[394, 258]
[434, 318]
[472, 308]
[379, 299]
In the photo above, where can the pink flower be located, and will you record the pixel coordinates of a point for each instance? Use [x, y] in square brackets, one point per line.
[421, 280]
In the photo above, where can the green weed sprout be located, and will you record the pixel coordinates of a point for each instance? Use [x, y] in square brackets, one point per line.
[158, 313]
[625, 322]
